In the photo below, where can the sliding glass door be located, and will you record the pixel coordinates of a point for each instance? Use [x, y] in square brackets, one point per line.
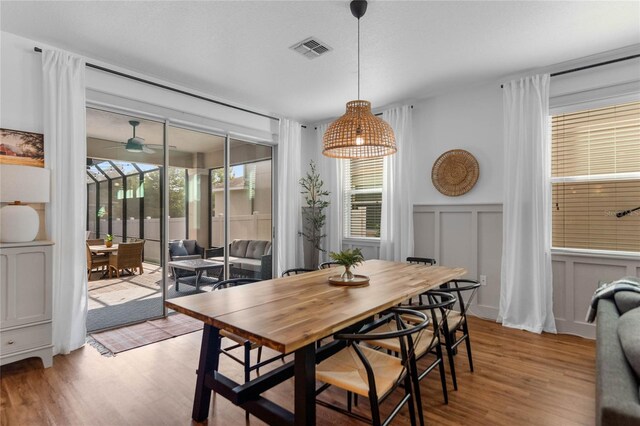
[197, 204]
[124, 205]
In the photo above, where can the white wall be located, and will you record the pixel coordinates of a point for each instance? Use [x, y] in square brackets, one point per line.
[469, 119]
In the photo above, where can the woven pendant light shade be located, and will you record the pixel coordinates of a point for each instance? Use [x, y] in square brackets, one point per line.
[358, 134]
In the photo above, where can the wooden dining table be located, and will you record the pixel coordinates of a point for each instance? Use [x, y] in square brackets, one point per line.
[290, 315]
[103, 249]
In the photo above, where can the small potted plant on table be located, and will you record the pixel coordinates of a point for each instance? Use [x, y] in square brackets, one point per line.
[347, 258]
[108, 240]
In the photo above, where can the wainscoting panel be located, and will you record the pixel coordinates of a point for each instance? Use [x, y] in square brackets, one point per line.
[464, 235]
[575, 278]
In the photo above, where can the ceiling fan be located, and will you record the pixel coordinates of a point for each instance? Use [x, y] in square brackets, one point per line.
[136, 143]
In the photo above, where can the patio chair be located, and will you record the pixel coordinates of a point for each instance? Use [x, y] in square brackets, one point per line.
[128, 256]
[96, 242]
[95, 262]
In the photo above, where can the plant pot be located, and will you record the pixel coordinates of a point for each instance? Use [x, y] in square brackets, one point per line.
[108, 243]
[347, 275]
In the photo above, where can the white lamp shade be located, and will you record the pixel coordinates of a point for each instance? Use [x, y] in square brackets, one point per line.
[24, 183]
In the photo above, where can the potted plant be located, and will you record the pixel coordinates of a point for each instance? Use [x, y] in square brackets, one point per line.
[313, 216]
[108, 240]
[347, 258]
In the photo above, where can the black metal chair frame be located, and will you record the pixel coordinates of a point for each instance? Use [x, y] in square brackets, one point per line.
[404, 334]
[443, 302]
[451, 342]
[296, 271]
[246, 362]
[327, 265]
[423, 260]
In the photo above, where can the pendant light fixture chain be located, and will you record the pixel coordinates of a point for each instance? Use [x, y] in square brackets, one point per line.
[358, 58]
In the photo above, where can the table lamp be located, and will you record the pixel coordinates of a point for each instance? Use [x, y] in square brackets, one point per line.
[19, 185]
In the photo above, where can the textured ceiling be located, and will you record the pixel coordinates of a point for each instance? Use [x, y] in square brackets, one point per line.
[239, 50]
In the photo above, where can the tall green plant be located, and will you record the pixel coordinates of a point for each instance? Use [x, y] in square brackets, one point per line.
[316, 203]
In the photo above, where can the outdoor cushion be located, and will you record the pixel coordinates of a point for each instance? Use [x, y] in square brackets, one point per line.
[269, 246]
[627, 300]
[256, 249]
[176, 248]
[238, 248]
[628, 332]
[190, 245]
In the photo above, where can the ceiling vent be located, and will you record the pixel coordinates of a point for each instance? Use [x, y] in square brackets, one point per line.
[311, 48]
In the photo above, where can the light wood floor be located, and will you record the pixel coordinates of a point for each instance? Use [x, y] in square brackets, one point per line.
[520, 379]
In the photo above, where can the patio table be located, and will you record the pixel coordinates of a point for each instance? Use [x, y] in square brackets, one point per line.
[199, 266]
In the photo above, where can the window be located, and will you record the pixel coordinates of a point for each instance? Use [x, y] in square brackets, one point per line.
[595, 177]
[362, 197]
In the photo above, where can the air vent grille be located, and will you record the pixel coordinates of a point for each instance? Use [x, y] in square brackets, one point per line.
[311, 48]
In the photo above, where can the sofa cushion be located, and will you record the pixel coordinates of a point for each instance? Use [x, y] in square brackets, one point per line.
[238, 248]
[256, 249]
[190, 245]
[176, 248]
[629, 334]
[269, 246]
[627, 300]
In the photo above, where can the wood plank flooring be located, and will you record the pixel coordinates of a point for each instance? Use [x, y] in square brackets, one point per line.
[520, 379]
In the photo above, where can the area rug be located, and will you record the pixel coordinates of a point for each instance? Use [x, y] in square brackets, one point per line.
[133, 336]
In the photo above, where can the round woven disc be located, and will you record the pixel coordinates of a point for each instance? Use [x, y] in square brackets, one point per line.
[455, 172]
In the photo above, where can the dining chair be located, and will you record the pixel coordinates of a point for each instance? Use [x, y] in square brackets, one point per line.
[429, 343]
[456, 320]
[370, 373]
[96, 242]
[421, 260]
[296, 271]
[128, 256]
[241, 341]
[95, 262]
[327, 265]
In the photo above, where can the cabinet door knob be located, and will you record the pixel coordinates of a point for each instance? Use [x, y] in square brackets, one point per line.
[10, 342]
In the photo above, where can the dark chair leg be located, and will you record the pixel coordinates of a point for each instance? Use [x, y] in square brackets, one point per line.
[452, 366]
[259, 358]
[443, 377]
[468, 343]
[412, 407]
[375, 409]
[413, 372]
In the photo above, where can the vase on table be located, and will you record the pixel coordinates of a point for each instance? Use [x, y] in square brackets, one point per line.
[108, 243]
[347, 275]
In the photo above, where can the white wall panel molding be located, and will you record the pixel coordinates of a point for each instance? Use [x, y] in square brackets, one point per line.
[467, 235]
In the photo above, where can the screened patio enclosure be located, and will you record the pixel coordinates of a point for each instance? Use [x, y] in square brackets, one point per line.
[179, 183]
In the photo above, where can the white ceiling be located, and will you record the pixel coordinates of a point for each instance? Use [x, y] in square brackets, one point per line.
[239, 50]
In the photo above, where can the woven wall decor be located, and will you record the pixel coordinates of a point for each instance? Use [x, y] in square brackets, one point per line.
[455, 172]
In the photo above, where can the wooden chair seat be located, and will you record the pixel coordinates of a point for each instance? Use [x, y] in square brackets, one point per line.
[346, 371]
[237, 339]
[422, 342]
[454, 319]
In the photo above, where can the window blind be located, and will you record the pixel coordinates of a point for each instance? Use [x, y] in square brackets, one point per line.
[362, 197]
[595, 173]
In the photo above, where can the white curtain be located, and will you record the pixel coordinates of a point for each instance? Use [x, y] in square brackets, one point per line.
[526, 291]
[330, 170]
[65, 154]
[289, 243]
[396, 227]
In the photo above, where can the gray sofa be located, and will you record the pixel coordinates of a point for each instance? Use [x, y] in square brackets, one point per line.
[617, 384]
[249, 258]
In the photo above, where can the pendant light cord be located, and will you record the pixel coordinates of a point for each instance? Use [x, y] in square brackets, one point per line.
[358, 58]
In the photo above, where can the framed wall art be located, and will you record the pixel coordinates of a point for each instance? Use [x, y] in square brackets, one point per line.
[21, 148]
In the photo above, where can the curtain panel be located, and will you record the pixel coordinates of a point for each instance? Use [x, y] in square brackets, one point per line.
[526, 289]
[288, 241]
[65, 154]
[330, 170]
[396, 224]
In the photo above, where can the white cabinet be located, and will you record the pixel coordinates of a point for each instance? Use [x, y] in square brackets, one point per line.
[25, 302]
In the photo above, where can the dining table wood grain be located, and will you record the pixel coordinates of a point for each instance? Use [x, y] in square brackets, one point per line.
[289, 315]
